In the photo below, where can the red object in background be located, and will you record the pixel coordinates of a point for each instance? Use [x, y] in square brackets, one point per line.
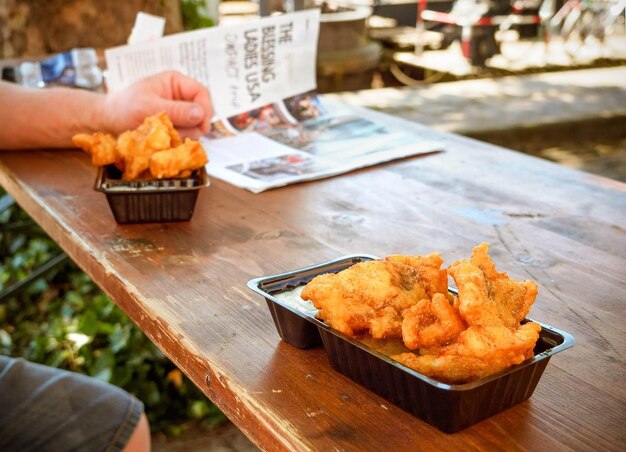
[478, 37]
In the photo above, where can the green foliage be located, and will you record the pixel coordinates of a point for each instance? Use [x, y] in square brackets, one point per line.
[63, 320]
[195, 14]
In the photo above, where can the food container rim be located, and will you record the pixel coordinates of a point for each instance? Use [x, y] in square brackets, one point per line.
[255, 285]
[198, 181]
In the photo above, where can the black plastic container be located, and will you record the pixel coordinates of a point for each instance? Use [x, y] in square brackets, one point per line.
[448, 407]
[150, 200]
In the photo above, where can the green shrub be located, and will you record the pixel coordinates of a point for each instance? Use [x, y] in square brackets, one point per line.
[63, 320]
[195, 14]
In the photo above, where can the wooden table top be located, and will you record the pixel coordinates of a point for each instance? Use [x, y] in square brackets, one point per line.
[184, 284]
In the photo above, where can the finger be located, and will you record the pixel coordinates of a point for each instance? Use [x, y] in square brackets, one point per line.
[203, 97]
[193, 133]
[188, 89]
[183, 114]
[210, 112]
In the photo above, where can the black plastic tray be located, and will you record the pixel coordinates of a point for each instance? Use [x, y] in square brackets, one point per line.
[448, 407]
[150, 200]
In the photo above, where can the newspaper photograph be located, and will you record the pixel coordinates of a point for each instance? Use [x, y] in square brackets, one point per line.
[300, 139]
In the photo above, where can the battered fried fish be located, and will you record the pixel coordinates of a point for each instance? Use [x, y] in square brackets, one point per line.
[487, 297]
[134, 151]
[101, 146]
[459, 339]
[432, 323]
[137, 146]
[479, 351]
[181, 159]
[371, 296]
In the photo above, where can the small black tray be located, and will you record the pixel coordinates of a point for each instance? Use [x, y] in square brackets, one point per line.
[448, 407]
[150, 200]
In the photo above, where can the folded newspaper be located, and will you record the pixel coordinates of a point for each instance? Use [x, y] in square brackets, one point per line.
[270, 129]
[306, 137]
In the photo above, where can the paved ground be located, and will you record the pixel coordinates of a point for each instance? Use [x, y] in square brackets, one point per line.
[509, 102]
[576, 118]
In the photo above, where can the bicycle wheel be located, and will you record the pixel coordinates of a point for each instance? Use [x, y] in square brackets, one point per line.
[482, 46]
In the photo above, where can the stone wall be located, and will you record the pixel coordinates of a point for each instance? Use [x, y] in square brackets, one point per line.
[33, 28]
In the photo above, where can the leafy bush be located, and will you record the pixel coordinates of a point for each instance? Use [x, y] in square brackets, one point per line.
[195, 14]
[63, 320]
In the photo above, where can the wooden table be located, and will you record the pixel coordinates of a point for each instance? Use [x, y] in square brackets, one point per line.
[184, 284]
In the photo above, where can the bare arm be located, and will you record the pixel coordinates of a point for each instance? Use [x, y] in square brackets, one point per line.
[33, 118]
[48, 118]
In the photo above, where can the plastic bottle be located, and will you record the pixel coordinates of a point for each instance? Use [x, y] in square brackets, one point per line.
[78, 67]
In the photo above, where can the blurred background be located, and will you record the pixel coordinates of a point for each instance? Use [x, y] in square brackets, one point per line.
[363, 43]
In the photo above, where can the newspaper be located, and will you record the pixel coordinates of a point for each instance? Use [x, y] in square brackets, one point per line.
[245, 66]
[266, 132]
[304, 138]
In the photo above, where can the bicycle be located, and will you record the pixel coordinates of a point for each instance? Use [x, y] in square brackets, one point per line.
[582, 22]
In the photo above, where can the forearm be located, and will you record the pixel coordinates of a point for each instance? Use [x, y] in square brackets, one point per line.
[47, 118]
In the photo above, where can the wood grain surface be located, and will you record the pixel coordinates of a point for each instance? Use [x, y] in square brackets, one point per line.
[184, 284]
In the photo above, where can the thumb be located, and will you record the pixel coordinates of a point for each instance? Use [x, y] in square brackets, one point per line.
[184, 114]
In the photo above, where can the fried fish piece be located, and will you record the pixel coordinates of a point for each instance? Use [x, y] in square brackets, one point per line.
[479, 351]
[101, 146]
[133, 150]
[488, 297]
[371, 296]
[137, 146]
[428, 269]
[172, 162]
[175, 139]
[432, 323]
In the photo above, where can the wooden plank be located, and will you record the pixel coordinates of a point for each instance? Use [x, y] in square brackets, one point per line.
[184, 284]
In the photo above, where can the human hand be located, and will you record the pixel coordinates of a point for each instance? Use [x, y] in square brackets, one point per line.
[187, 103]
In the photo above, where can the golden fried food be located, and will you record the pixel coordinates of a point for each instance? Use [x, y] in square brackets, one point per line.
[431, 323]
[172, 162]
[456, 339]
[101, 146]
[134, 150]
[428, 269]
[479, 351]
[487, 297]
[175, 139]
[371, 296]
[138, 146]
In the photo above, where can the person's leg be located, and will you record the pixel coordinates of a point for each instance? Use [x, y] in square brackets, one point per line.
[140, 439]
[54, 410]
